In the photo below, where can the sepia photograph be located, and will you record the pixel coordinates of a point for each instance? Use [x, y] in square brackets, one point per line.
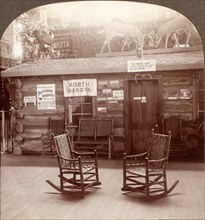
[102, 109]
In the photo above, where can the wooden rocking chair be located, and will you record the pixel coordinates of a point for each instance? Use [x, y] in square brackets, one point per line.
[78, 171]
[146, 172]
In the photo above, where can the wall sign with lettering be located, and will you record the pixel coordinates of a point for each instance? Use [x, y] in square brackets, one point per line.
[46, 98]
[80, 87]
[29, 99]
[141, 65]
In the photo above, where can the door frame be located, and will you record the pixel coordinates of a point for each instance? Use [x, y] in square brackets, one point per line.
[127, 109]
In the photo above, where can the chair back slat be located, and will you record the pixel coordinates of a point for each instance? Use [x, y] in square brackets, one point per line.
[87, 127]
[159, 146]
[173, 124]
[57, 125]
[63, 147]
[104, 127]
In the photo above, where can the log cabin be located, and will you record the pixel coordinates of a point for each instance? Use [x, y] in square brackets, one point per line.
[136, 92]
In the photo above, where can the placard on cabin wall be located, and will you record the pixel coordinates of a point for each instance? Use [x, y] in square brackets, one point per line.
[141, 65]
[46, 98]
[29, 99]
[80, 87]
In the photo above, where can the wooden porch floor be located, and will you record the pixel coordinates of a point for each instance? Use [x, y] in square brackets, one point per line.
[26, 195]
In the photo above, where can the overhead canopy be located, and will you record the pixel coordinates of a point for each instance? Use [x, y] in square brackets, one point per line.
[109, 64]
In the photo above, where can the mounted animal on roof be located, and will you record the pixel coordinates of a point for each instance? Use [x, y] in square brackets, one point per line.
[39, 43]
[173, 29]
[130, 34]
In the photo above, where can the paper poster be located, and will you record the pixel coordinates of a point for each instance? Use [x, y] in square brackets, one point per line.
[141, 65]
[118, 94]
[102, 109]
[107, 92]
[114, 84]
[102, 84]
[29, 99]
[46, 98]
[185, 94]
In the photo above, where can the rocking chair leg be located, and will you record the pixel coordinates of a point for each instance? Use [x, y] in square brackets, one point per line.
[147, 183]
[61, 181]
[96, 169]
[165, 182]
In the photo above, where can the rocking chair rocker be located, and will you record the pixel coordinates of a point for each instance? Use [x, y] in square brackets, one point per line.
[146, 172]
[78, 171]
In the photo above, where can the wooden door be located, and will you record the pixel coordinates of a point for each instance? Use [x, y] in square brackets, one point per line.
[144, 112]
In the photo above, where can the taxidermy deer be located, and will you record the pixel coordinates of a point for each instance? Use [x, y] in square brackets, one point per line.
[173, 27]
[127, 31]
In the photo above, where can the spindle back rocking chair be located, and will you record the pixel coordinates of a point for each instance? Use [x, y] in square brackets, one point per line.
[146, 172]
[78, 171]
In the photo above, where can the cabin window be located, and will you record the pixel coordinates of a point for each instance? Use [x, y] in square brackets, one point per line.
[82, 106]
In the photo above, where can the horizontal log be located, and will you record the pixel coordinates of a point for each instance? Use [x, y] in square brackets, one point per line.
[119, 132]
[118, 121]
[177, 82]
[30, 121]
[178, 102]
[118, 146]
[36, 131]
[184, 116]
[31, 146]
[31, 85]
[29, 134]
[113, 112]
[178, 107]
[32, 109]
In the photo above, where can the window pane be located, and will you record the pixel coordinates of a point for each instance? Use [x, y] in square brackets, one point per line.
[81, 107]
[76, 108]
[87, 108]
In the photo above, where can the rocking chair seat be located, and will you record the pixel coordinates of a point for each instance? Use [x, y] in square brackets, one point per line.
[142, 171]
[75, 169]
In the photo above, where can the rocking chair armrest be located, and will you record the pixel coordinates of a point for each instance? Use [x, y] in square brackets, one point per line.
[135, 155]
[83, 153]
[63, 158]
[159, 160]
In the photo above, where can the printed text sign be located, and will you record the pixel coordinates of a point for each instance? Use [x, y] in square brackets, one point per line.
[141, 65]
[80, 87]
[46, 97]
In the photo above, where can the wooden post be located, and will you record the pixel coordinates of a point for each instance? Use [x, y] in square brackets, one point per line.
[3, 132]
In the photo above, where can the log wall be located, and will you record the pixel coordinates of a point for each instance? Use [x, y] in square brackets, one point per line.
[181, 95]
[31, 121]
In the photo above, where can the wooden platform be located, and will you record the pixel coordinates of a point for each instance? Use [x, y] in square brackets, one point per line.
[26, 195]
